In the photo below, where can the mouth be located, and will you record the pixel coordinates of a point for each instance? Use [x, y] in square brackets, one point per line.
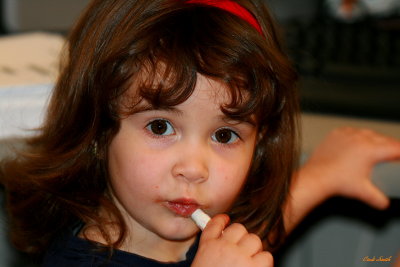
[182, 207]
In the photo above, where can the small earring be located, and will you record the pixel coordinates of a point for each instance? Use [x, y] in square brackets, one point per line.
[95, 149]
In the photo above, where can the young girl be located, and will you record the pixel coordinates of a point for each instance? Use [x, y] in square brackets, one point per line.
[161, 107]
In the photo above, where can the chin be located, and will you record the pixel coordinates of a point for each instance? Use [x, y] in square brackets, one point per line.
[180, 232]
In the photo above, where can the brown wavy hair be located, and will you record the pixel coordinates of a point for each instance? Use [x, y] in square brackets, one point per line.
[59, 179]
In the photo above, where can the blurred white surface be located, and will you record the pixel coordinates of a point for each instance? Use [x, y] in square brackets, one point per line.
[22, 109]
[28, 69]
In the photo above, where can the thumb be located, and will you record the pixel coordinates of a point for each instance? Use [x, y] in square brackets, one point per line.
[374, 197]
[215, 227]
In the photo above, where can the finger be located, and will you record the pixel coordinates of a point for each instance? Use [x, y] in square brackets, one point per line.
[263, 259]
[387, 152]
[234, 233]
[251, 244]
[215, 227]
[374, 197]
[384, 147]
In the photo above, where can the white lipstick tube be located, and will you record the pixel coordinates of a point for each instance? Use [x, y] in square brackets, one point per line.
[200, 218]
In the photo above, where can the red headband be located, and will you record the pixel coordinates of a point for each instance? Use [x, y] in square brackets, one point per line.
[233, 8]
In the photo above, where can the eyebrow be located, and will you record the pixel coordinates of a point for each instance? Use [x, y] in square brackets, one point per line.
[233, 121]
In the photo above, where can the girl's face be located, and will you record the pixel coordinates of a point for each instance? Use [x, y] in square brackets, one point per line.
[164, 164]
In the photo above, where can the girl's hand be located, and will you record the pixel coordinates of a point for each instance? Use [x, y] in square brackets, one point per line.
[229, 247]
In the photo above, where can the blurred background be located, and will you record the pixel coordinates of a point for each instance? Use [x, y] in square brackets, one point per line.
[349, 64]
[348, 55]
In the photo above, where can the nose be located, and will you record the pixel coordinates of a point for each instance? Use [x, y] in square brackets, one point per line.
[192, 165]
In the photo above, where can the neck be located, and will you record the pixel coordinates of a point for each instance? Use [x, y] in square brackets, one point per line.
[155, 247]
[141, 241]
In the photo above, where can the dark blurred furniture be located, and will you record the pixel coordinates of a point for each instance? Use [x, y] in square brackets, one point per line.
[347, 68]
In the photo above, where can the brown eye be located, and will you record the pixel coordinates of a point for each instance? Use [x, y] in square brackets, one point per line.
[160, 127]
[225, 136]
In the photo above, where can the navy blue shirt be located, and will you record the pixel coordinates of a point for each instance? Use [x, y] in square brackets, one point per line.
[71, 251]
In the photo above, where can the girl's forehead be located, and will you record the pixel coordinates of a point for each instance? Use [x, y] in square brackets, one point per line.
[157, 85]
[212, 89]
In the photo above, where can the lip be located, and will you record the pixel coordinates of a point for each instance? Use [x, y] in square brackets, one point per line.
[182, 207]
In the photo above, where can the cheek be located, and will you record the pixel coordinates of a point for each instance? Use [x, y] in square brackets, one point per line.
[138, 173]
[229, 185]
[232, 175]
